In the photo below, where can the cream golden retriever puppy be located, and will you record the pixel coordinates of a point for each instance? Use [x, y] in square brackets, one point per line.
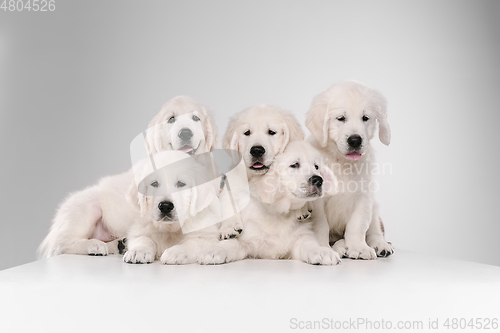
[179, 212]
[258, 133]
[343, 120]
[93, 221]
[272, 230]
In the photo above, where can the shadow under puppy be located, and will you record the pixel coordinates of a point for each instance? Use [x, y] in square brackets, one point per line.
[272, 230]
[179, 211]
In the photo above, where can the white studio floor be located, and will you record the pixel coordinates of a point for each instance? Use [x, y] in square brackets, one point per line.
[71, 293]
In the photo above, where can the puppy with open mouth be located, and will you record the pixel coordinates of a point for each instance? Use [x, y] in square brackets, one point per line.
[258, 133]
[272, 231]
[94, 221]
[343, 120]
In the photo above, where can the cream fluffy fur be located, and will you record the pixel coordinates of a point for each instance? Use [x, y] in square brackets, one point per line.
[194, 198]
[267, 126]
[349, 218]
[92, 221]
[272, 230]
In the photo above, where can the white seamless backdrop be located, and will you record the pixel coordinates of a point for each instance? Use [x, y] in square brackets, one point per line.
[78, 84]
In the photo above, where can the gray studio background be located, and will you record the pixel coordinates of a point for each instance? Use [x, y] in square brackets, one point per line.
[78, 84]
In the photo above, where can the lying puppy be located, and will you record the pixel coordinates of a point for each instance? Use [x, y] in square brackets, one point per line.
[259, 133]
[343, 120]
[93, 221]
[179, 196]
[272, 230]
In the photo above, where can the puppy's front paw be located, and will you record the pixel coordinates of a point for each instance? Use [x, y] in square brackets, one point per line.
[382, 248]
[175, 256]
[213, 256]
[323, 256]
[340, 248]
[360, 251]
[139, 256]
[304, 213]
[96, 247]
[230, 230]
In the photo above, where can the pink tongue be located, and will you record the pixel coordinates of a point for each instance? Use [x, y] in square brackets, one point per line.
[258, 165]
[186, 150]
[353, 156]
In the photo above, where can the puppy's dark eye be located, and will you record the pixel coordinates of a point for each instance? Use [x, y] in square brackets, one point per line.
[365, 118]
[295, 165]
[341, 118]
[316, 166]
[154, 184]
[247, 133]
[180, 184]
[271, 132]
[196, 118]
[171, 120]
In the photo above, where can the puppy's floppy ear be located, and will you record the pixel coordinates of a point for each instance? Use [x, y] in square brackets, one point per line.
[230, 139]
[201, 197]
[210, 130]
[269, 186]
[330, 183]
[154, 133]
[384, 130]
[318, 119]
[136, 199]
[292, 130]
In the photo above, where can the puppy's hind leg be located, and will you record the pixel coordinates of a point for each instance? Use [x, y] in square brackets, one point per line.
[73, 226]
[92, 247]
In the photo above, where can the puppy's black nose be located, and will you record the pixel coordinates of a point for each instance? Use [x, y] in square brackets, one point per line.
[316, 181]
[165, 207]
[185, 134]
[257, 151]
[354, 141]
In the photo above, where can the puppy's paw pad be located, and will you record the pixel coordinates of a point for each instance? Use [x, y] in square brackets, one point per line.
[323, 256]
[214, 256]
[97, 248]
[174, 256]
[139, 256]
[361, 252]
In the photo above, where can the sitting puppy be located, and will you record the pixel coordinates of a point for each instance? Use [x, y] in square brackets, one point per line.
[258, 133]
[343, 120]
[95, 220]
[272, 230]
[179, 212]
